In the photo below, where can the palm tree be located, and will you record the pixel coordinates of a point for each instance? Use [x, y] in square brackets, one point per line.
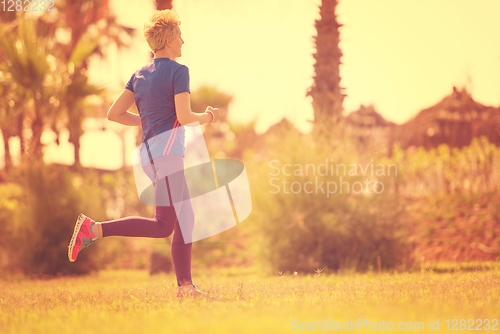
[326, 91]
[93, 20]
[88, 37]
[92, 28]
[76, 92]
[7, 116]
[25, 57]
[163, 4]
[12, 111]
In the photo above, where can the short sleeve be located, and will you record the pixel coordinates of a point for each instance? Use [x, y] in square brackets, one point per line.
[130, 83]
[181, 80]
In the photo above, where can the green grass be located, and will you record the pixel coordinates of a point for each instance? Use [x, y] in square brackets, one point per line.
[241, 301]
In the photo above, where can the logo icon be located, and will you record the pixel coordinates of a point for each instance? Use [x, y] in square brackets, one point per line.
[218, 190]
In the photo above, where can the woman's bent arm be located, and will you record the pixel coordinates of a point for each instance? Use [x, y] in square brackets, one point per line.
[186, 116]
[119, 110]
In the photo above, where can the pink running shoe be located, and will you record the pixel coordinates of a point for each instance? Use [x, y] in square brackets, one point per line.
[82, 236]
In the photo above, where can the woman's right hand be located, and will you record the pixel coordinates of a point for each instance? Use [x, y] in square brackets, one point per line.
[215, 112]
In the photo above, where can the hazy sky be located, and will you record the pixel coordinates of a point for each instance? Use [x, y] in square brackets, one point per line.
[401, 56]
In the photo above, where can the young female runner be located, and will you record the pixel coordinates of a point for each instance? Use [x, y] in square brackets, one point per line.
[161, 91]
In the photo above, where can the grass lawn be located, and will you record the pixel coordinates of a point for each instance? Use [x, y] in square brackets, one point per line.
[243, 302]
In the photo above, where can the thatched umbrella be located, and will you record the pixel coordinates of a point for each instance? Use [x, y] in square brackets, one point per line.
[367, 118]
[454, 121]
[370, 129]
[280, 128]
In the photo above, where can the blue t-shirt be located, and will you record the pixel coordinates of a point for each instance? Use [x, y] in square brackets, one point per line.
[154, 87]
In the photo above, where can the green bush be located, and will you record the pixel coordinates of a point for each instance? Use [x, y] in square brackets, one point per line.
[306, 231]
[470, 170]
[11, 198]
[52, 200]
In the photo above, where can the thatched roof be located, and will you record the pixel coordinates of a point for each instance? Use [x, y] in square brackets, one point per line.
[455, 120]
[370, 131]
[367, 117]
[280, 128]
[490, 128]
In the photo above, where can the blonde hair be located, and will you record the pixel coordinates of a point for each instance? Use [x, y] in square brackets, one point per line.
[160, 28]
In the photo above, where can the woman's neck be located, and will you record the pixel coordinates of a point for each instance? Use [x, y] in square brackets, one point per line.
[164, 53]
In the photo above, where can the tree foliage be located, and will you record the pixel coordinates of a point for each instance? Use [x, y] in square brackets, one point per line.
[44, 80]
[306, 228]
[44, 83]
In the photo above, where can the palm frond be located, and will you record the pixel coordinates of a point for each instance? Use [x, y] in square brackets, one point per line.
[85, 46]
[25, 54]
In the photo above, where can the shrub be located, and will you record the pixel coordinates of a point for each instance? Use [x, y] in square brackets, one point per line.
[305, 231]
[52, 200]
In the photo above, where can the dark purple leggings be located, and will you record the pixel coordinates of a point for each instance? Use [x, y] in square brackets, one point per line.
[165, 220]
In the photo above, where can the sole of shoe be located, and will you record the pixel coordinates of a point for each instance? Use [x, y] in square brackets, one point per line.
[78, 225]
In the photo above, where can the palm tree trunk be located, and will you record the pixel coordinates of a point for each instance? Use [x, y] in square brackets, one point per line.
[7, 158]
[326, 91]
[35, 147]
[22, 143]
[75, 133]
[163, 4]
